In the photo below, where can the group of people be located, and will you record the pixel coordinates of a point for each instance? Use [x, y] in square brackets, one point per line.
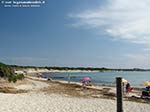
[86, 81]
[145, 92]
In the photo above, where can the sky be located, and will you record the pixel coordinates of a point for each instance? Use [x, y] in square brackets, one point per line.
[77, 33]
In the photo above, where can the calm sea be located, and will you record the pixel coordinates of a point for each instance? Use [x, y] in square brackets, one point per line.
[100, 78]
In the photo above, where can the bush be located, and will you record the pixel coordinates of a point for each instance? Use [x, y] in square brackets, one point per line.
[20, 76]
[15, 77]
[10, 78]
[7, 72]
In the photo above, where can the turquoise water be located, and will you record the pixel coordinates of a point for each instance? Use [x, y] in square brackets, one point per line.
[106, 78]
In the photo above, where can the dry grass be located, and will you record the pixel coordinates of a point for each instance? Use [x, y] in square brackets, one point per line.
[75, 90]
[7, 87]
[11, 90]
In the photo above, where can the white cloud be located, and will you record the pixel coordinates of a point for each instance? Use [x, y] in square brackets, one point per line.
[139, 57]
[134, 60]
[121, 19]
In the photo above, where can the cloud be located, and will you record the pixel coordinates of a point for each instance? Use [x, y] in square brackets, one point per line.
[146, 49]
[120, 19]
[138, 60]
[139, 57]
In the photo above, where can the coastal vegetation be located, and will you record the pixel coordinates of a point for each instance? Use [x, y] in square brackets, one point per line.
[103, 69]
[7, 72]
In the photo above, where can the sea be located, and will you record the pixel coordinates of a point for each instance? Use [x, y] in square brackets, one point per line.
[102, 78]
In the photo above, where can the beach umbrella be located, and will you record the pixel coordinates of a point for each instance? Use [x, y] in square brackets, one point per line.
[146, 83]
[124, 81]
[86, 79]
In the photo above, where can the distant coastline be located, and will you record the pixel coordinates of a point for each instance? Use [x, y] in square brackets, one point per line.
[34, 69]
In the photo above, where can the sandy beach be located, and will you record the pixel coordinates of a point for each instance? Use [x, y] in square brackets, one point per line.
[53, 96]
[40, 102]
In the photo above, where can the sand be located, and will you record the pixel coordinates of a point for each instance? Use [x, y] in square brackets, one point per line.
[40, 101]
[35, 85]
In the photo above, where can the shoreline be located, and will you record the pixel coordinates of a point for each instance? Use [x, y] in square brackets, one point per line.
[96, 87]
[39, 72]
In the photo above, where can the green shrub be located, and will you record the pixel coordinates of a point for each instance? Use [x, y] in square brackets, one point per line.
[15, 77]
[20, 76]
[10, 78]
[7, 72]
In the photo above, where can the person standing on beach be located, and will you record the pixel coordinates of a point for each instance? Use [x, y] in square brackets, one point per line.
[84, 83]
[123, 87]
[128, 88]
[69, 77]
